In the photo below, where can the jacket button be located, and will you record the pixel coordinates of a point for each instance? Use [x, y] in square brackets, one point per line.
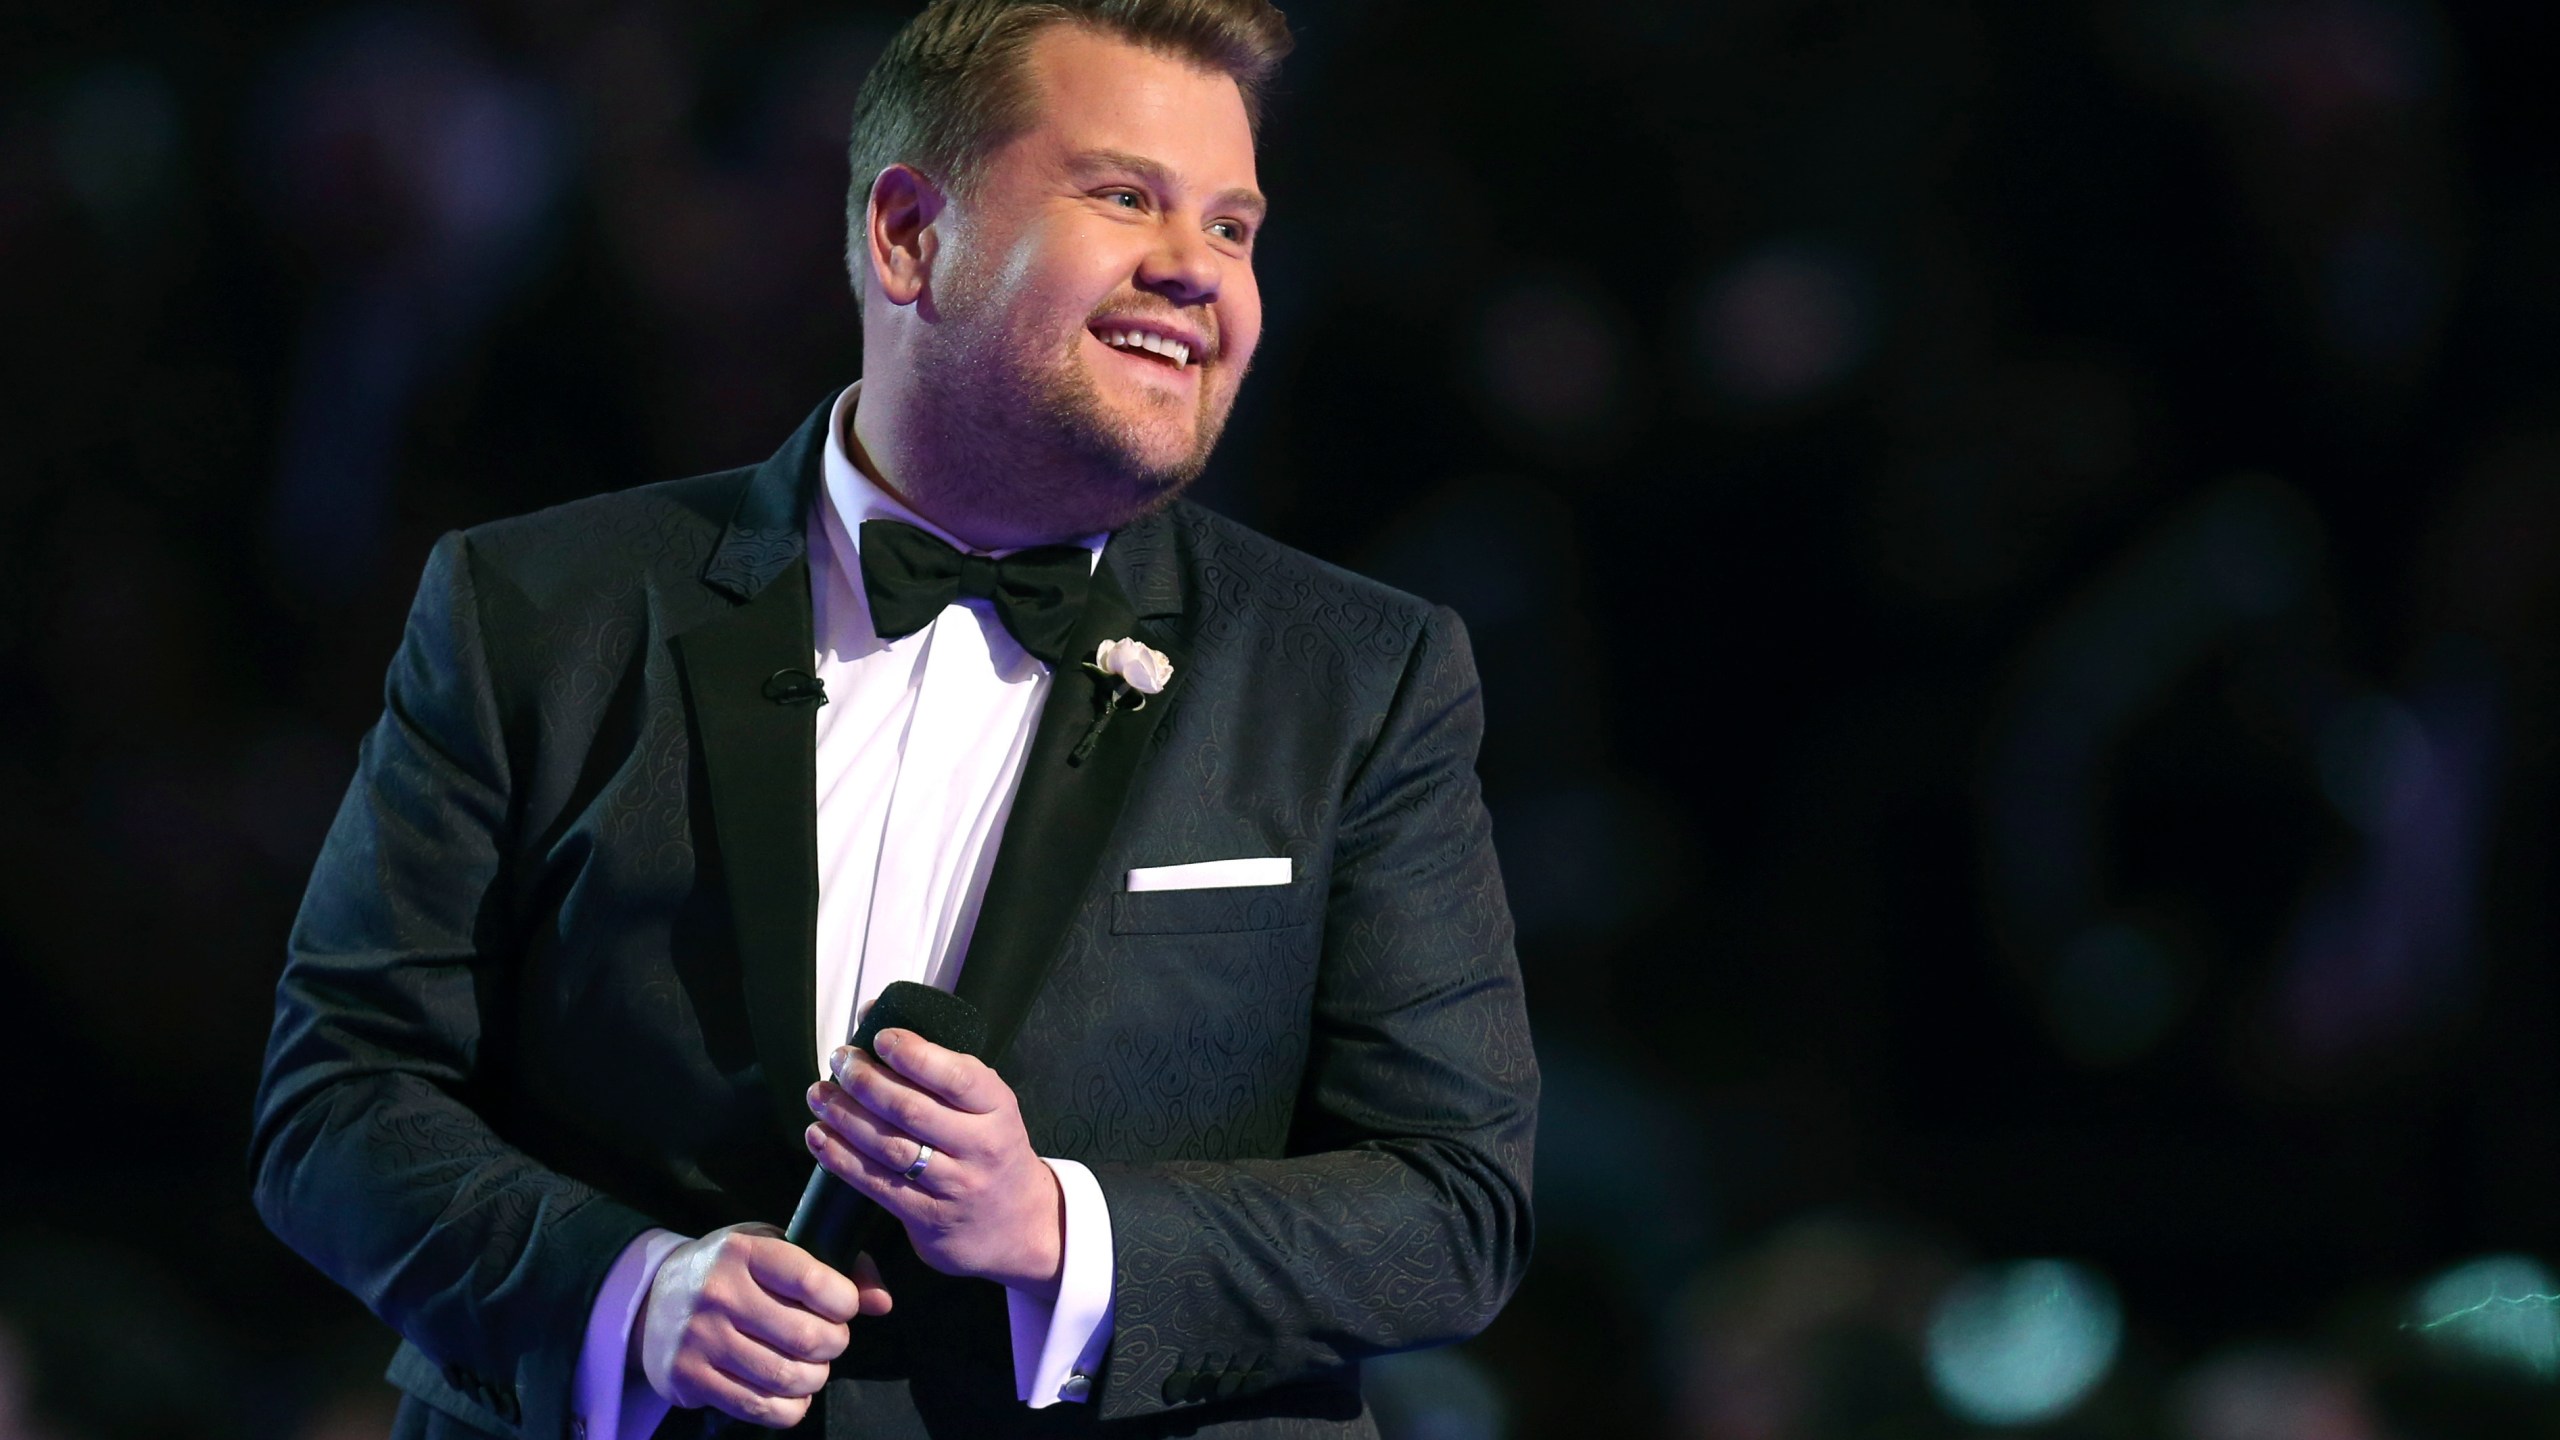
[1177, 1386]
[1228, 1382]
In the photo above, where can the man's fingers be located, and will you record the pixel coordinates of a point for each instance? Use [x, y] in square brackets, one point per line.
[766, 1371]
[866, 1175]
[884, 1092]
[706, 1385]
[740, 1376]
[790, 1331]
[783, 1269]
[964, 1081]
[866, 1274]
[878, 1138]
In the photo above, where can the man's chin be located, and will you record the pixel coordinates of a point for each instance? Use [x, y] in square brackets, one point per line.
[1167, 468]
[1155, 437]
[1142, 454]
[1141, 490]
[1158, 459]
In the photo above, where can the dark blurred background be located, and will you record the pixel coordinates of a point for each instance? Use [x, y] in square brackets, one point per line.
[2011, 546]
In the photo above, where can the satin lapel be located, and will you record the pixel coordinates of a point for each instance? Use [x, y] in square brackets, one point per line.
[760, 764]
[1063, 814]
[761, 759]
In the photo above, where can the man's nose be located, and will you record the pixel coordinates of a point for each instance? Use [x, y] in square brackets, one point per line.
[1182, 267]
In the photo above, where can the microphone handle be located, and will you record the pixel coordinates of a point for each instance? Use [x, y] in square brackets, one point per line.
[830, 1213]
[825, 1217]
[822, 1224]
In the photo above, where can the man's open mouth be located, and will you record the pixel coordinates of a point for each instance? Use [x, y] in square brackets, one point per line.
[1145, 344]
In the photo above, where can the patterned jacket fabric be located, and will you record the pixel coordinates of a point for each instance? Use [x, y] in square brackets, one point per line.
[541, 991]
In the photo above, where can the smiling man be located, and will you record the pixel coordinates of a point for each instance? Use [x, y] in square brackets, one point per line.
[672, 783]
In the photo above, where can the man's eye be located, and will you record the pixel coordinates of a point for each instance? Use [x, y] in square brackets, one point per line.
[1229, 229]
[1127, 198]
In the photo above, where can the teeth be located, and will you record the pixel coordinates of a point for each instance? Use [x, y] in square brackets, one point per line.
[1173, 350]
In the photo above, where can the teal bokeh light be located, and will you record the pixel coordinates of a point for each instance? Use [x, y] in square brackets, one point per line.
[2019, 1343]
[2500, 1310]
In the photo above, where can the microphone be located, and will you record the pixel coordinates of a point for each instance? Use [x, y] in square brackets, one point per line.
[829, 1209]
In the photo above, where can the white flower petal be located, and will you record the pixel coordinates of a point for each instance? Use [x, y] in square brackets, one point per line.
[1142, 669]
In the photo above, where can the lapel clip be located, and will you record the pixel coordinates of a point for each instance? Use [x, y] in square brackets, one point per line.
[795, 687]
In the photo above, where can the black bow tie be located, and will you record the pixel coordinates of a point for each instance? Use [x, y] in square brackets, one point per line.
[1038, 593]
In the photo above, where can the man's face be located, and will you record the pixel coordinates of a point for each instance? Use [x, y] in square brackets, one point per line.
[1101, 270]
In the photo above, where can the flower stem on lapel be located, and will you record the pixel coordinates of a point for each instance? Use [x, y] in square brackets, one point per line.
[1110, 707]
[1129, 666]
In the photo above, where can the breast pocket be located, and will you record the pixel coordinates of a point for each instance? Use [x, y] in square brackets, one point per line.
[1242, 909]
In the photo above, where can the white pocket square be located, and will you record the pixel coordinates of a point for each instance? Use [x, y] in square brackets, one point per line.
[1211, 875]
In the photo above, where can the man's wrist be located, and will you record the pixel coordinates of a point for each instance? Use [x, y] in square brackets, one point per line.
[1045, 1249]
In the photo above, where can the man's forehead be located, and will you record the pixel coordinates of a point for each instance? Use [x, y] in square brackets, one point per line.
[1099, 98]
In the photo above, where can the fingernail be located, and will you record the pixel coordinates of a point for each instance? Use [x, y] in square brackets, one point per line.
[884, 1042]
[817, 1097]
[816, 1136]
[840, 1062]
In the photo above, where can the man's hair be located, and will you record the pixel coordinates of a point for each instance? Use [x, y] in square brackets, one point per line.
[952, 86]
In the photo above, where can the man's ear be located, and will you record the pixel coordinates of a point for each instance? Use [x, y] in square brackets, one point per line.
[898, 232]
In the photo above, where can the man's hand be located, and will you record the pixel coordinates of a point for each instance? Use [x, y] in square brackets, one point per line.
[985, 1205]
[744, 1321]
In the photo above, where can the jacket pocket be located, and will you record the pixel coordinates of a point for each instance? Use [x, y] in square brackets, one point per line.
[1233, 910]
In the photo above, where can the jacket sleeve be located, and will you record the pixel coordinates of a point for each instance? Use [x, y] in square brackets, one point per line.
[1401, 1217]
[373, 1154]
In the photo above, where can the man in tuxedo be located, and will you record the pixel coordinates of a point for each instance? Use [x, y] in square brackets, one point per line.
[671, 783]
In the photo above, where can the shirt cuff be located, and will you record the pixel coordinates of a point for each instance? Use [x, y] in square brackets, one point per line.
[606, 1402]
[1057, 1348]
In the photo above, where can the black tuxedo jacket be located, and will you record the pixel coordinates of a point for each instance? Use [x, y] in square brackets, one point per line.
[553, 980]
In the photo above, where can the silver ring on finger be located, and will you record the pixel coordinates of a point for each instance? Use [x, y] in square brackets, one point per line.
[915, 1170]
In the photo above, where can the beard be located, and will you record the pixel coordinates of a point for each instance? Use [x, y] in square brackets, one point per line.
[1027, 434]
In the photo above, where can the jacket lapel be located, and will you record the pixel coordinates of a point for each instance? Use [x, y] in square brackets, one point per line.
[758, 733]
[1064, 813]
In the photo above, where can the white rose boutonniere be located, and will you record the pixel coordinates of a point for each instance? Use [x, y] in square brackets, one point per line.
[1141, 669]
[1131, 667]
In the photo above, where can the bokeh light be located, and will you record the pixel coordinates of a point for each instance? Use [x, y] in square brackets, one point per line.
[2023, 1342]
[117, 132]
[2498, 1310]
[1784, 323]
[2374, 760]
[1435, 1395]
[2115, 995]
[2272, 1393]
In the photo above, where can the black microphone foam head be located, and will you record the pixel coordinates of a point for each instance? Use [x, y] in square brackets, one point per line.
[937, 1015]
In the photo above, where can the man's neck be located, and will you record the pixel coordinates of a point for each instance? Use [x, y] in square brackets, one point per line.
[860, 454]
[871, 435]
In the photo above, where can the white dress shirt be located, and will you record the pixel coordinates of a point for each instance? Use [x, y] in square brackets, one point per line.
[919, 753]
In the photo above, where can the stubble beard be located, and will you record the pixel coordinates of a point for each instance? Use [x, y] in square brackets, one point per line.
[1027, 435]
